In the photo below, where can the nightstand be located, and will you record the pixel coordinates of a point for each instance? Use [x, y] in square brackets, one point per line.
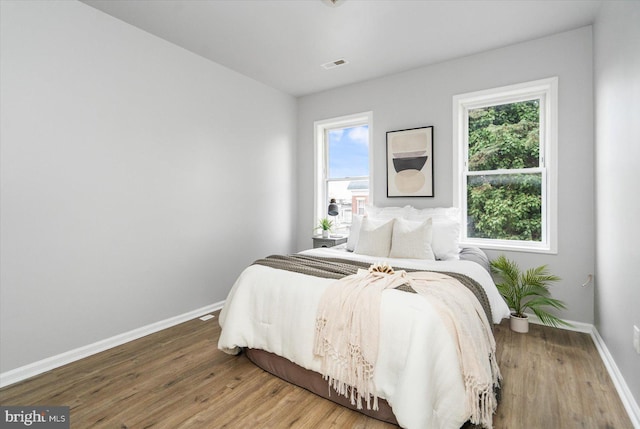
[319, 241]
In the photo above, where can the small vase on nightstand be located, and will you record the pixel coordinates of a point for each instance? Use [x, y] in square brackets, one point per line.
[325, 233]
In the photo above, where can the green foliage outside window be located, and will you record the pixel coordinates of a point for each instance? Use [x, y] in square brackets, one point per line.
[505, 206]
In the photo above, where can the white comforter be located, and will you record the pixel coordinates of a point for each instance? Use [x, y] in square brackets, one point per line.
[417, 371]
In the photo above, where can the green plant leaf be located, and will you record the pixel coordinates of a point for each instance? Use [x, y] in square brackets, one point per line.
[324, 224]
[549, 319]
[527, 290]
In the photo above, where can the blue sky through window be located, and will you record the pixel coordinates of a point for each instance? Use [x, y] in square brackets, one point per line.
[349, 152]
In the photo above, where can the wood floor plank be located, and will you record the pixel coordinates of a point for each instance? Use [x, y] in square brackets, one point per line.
[177, 378]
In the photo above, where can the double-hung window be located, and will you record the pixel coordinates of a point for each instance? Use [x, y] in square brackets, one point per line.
[505, 166]
[342, 168]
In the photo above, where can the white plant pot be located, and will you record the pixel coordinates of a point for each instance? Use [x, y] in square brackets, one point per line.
[519, 324]
[325, 233]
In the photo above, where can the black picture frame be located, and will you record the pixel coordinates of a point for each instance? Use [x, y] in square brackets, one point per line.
[410, 162]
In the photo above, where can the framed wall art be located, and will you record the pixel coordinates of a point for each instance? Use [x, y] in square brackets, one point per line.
[410, 162]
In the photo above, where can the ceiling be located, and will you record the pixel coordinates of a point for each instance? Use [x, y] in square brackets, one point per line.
[283, 43]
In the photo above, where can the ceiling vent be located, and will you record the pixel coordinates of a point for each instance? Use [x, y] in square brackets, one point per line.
[333, 3]
[334, 64]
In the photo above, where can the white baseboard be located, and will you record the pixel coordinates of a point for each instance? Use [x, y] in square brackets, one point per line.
[586, 328]
[32, 369]
[628, 401]
[618, 380]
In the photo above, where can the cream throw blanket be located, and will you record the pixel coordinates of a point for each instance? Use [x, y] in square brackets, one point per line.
[347, 329]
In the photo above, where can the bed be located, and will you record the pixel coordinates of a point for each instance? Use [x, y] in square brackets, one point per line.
[270, 313]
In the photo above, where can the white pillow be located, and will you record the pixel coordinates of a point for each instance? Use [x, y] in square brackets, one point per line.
[452, 213]
[446, 229]
[411, 240]
[446, 239]
[387, 212]
[354, 232]
[374, 239]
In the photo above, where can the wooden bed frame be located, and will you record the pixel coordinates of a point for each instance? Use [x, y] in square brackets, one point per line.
[313, 382]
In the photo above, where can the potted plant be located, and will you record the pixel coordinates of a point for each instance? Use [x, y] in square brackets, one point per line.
[325, 225]
[526, 290]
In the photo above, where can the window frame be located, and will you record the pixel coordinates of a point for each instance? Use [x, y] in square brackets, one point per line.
[546, 90]
[321, 158]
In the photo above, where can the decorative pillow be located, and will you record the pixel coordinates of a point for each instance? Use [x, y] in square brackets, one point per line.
[446, 239]
[387, 212]
[452, 213]
[476, 255]
[411, 240]
[446, 229]
[374, 239]
[354, 232]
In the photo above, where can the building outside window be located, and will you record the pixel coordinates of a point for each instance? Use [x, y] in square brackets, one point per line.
[342, 168]
[505, 170]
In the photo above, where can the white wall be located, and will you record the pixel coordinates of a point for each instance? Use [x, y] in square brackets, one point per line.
[138, 179]
[424, 97]
[617, 95]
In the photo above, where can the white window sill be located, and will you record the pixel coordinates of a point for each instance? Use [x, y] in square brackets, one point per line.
[510, 247]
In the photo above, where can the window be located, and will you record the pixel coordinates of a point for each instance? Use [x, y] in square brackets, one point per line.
[504, 166]
[343, 163]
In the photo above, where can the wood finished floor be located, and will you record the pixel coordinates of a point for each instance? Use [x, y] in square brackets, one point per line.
[177, 378]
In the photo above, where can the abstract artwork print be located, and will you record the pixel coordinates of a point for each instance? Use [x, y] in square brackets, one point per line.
[410, 162]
